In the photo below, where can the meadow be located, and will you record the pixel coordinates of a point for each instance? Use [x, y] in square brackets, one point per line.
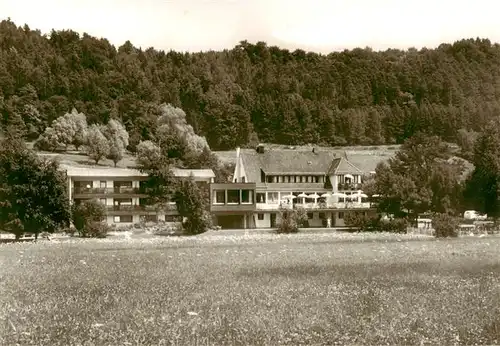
[252, 290]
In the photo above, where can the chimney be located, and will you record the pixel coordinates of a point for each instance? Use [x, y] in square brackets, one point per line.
[260, 148]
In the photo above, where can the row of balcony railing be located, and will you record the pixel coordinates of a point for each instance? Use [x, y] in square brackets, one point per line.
[107, 190]
[316, 206]
[349, 186]
[165, 207]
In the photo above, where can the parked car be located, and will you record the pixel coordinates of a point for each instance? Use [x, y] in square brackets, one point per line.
[474, 215]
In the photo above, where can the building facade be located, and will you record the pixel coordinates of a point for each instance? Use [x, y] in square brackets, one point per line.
[121, 191]
[325, 184]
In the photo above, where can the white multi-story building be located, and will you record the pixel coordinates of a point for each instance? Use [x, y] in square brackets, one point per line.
[121, 191]
[325, 184]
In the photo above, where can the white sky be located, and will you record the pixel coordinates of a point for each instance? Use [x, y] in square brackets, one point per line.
[319, 25]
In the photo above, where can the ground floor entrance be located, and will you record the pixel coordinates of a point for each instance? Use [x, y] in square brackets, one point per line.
[234, 221]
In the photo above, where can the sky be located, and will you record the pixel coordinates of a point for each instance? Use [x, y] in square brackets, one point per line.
[317, 25]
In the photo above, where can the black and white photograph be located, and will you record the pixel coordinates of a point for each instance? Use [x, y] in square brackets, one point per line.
[249, 172]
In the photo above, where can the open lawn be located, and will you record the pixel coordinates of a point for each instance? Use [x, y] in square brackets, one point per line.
[252, 290]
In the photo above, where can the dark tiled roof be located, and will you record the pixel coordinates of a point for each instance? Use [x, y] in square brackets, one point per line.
[285, 161]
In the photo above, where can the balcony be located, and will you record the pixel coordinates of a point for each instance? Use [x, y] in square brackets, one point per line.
[349, 186]
[141, 208]
[232, 197]
[316, 206]
[86, 192]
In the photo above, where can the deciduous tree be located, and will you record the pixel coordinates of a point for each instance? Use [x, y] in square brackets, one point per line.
[33, 196]
[97, 146]
[191, 206]
[418, 179]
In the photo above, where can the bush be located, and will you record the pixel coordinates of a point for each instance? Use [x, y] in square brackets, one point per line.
[88, 219]
[198, 222]
[291, 220]
[392, 226]
[445, 226]
[97, 230]
[359, 220]
[368, 223]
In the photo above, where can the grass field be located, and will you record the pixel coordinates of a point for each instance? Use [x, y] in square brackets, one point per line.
[252, 290]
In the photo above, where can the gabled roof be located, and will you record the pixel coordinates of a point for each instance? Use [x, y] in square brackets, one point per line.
[341, 165]
[295, 162]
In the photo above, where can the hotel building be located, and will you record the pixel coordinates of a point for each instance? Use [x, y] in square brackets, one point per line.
[324, 183]
[121, 191]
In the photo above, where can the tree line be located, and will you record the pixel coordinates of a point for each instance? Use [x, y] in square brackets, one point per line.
[425, 177]
[251, 93]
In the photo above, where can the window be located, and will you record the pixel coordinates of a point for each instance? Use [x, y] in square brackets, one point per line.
[269, 179]
[243, 180]
[341, 215]
[286, 179]
[247, 196]
[261, 197]
[126, 218]
[316, 179]
[122, 218]
[103, 184]
[309, 216]
[233, 196]
[260, 217]
[273, 197]
[322, 216]
[220, 197]
[103, 201]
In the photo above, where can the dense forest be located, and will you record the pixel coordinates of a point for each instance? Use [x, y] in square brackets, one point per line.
[252, 92]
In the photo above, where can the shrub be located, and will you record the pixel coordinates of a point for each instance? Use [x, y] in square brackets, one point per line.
[359, 220]
[97, 230]
[445, 225]
[87, 217]
[392, 226]
[300, 215]
[171, 228]
[369, 223]
[291, 219]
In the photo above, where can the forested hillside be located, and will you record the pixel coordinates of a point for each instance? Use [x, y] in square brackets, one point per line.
[252, 92]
